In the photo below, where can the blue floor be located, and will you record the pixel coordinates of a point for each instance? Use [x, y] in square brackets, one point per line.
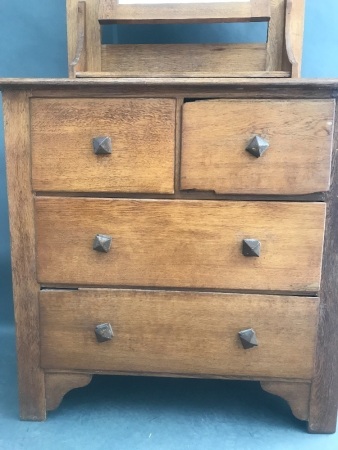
[137, 413]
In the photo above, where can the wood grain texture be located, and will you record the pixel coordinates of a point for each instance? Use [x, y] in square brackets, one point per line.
[187, 73]
[72, 31]
[184, 332]
[324, 393]
[136, 373]
[58, 384]
[178, 131]
[79, 62]
[325, 86]
[294, 32]
[25, 286]
[183, 86]
[112, 12]
[276, 36]
[142, 133]
[93, 34]
[192, 244]
[189, 91]
[296, 394]
[216, 133]
[175, 59]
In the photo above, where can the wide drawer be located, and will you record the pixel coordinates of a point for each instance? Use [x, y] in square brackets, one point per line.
[142, 145]
[178, 333]
[216, 134]
[180, 243]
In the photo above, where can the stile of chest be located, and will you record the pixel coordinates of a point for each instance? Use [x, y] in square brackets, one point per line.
[177, 229]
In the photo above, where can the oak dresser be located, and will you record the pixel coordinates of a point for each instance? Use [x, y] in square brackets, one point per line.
[179, 226]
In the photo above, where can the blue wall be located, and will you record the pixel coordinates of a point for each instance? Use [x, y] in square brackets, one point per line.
[33, 44]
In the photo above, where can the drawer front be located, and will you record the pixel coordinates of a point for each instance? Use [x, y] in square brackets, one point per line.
[179, 243]
[140, 135]
[178, 333]
[216, 134]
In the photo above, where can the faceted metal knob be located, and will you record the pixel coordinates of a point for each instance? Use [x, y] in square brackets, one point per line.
[248, 338]
[257, 146]
[251, 247]
[102, 243]
[102, 145]
[104, 332]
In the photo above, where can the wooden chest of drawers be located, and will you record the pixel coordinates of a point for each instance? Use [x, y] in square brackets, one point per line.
[176, 228]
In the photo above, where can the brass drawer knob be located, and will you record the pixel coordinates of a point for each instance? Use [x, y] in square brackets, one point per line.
[248, 338]
[102, 243]
[104, 332]
[102, 145]
[257, 146]
[251, 247]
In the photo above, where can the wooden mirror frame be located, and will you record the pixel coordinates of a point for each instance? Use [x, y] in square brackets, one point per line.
[280, 57]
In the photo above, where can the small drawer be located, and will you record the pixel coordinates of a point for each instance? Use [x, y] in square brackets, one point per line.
[178, 333]
[277, 147]
[168, 243]
[103, 145]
